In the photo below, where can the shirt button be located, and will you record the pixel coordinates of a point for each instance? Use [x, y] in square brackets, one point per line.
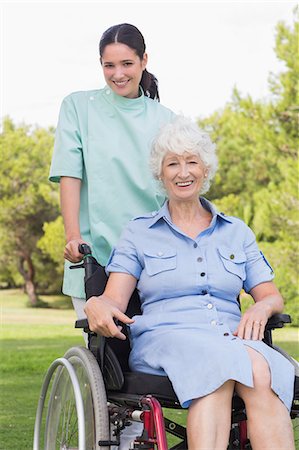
[107, 92]
[209, 306]
[91, 98]
[199, 259]
[195, 245]
[160, 254]
[213, 322]
[225, 334]
[202, 274]
[232, 256]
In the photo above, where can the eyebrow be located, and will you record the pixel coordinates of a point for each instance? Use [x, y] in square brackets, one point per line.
[123, 61]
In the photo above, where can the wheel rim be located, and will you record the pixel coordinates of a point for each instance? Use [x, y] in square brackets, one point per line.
[62, 420]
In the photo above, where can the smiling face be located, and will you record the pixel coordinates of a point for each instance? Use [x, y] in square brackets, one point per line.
[123, 69]
[182, 176]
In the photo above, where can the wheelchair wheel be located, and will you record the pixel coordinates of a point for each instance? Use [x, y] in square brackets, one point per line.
[61, 430]
[295, 422]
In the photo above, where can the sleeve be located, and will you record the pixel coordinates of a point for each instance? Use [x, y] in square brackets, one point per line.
[124, 257]
[67, 157]
[258, 269]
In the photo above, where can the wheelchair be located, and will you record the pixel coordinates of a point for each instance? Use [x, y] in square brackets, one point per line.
[89, 396]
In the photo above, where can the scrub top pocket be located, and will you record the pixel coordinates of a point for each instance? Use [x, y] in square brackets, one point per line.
[234, 261]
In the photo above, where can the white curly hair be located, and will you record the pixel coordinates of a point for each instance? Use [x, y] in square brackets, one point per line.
[180, 136]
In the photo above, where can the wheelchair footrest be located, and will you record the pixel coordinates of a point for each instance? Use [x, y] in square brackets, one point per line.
[107, 443]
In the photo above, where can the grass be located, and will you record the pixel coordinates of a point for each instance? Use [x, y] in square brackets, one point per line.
[30, 340]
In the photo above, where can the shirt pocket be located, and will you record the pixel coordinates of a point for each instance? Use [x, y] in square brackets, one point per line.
[158, 261]
[234, 261]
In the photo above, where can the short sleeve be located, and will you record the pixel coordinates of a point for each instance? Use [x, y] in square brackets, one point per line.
[67, 157]
[258, 269]
[124, 257]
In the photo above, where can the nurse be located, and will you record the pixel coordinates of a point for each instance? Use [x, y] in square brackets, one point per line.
[101, 150]
[190, 263]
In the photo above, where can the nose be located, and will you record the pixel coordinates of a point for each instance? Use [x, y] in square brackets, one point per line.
[118, 72]
[183, 170]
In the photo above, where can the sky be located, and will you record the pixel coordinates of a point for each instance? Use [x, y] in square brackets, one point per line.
[199, 51]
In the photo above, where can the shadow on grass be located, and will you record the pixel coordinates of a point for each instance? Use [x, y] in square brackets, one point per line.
[55, 302]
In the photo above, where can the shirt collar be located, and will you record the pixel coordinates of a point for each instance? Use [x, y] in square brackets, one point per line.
[124, 102]
[163, 212]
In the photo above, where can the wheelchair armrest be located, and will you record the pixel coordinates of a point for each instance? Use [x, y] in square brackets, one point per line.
[275, 321]
[82, 323]
[278, 321]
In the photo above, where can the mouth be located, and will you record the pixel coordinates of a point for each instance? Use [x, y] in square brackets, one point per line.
[121, 83]
[184, 183]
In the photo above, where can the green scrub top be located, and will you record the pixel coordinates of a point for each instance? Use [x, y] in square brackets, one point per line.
[104, 140]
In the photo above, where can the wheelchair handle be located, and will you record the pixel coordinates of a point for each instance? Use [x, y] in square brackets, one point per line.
[84, 249]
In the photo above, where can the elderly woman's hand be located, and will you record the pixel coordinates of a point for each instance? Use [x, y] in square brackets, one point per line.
[268, 301]
[101, 314]
[253, 322]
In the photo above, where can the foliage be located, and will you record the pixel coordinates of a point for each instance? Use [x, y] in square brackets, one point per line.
[257, 178]
[53, 241]
[27, 199]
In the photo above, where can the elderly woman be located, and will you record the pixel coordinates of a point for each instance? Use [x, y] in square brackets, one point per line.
[190, 263]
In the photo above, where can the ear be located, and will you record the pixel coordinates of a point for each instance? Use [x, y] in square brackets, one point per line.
[101, 62]
[144, 61]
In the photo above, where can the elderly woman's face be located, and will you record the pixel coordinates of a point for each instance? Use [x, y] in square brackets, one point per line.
[182, 175]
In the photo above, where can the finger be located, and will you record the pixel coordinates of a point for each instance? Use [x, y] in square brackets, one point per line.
[261, 331]
[120, 336]
[123, 317]
[248, 330]
[240, 329]
[255, 330]
[114, 331]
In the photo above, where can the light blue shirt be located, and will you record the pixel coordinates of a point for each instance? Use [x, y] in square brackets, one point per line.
[220, 262]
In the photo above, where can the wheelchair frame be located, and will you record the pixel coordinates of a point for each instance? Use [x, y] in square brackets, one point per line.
[97, 386]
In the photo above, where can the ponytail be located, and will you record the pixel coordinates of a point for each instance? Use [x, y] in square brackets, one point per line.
[149, 84]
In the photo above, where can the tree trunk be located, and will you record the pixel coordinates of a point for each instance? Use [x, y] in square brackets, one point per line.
[26, 269]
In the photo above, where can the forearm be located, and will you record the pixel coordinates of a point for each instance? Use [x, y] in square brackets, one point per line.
[268, 297]
[273, 304]
[70, 206]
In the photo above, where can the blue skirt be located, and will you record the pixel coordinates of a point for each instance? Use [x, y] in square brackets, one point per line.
[190, 340]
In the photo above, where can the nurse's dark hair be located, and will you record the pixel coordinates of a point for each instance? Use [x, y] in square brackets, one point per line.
[129, 35]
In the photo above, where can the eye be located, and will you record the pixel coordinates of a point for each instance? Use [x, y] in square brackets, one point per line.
[193, 162]
[172, 163]
[108, 66]
[127, 64]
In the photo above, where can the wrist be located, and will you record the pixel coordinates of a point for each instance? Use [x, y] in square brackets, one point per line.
[73, 237]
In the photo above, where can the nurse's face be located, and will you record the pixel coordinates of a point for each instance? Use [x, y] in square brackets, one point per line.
[123, 69]
[183, 176]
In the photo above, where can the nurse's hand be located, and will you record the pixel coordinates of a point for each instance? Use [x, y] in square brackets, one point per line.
[253, 322]
[101, 315]
[71, 252]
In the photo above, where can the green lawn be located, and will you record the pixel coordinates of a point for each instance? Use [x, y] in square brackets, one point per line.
[30, 340]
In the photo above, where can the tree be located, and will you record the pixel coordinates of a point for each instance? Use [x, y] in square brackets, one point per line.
[257, 179]
[27, 199]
